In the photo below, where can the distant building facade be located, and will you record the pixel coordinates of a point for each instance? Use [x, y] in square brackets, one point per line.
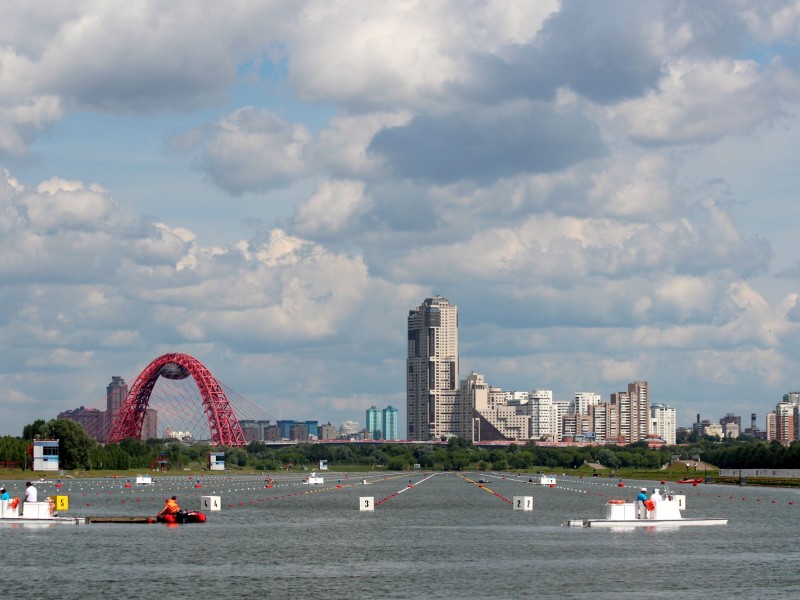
[374, 424]
[97, 423]
[390, 423]
[434, 408]
[664, 422]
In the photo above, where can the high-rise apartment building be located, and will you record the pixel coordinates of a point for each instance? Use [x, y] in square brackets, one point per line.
[434, 408]
[116, 392]
[390, 431]
[583, 400]
[375, 422]
[664, 422]
[543, 426]
[560, 410]
[785, 413]
[634, 412]
[605, 422]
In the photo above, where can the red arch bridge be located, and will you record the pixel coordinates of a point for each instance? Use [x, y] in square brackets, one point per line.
[224, 426]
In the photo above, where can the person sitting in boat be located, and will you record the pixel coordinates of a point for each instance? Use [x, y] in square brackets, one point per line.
[171, 507]
[641, 497]
[31, 493]
[656, 496]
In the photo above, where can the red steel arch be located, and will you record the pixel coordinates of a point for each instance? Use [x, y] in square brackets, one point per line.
[224, 426]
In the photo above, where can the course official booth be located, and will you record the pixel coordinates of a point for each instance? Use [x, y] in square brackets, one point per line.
[44, 455]
[216, 461]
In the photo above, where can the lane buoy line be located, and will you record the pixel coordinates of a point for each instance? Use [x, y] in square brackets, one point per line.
[176, 485]
[405, 489]
[686, 493]
[483, 487]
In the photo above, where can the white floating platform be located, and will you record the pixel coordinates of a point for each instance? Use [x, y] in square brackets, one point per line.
[47, 521]
[663, 513]
[642, 522]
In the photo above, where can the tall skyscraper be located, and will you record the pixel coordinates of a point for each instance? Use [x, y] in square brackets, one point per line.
[116, 392]
[639, 392]
[375, 422]
[434, 406]
[390, 423]
[634, 412]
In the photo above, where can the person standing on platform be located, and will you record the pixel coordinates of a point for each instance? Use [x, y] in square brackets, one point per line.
[641, 497]
[4, 494]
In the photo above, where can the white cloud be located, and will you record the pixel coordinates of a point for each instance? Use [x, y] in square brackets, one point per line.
[699, 102]
[332, 210]
[22, 120]
[255, 150]
[771, 20]
[599, 189]
[400, 54]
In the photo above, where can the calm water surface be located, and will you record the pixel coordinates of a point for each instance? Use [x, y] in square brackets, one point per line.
[443, 538]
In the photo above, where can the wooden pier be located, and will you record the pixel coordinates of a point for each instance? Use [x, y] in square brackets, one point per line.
[111, 519]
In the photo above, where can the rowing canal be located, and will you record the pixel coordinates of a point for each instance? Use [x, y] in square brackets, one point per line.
[443, 537]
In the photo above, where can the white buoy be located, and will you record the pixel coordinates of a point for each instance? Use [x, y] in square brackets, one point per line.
[523, 503]
[366, 503]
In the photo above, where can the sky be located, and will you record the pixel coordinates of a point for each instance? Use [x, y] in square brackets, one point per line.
[606, 190]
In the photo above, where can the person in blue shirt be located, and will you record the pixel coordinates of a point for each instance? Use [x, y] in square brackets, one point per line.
[641, 497]
[4, 494]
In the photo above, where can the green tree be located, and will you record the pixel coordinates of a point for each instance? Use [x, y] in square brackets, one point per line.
[607, 458]
[521, 460]
[37, 429]
[74, 443]
[397, 463]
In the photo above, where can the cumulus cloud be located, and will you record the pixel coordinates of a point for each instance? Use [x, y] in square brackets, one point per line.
[565, 249]
[575, 177]
[400, 54]
[254, 150]
[699, 102]
[332, 210]
[485, 146]
[22, 120]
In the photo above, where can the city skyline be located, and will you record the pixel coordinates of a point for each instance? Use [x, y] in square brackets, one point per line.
[271, 188]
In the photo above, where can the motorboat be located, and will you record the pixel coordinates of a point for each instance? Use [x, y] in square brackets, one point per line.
[691, 480]
[144, 480]
[549, 480]
[185, 516]
[656, 513]
[314, 479]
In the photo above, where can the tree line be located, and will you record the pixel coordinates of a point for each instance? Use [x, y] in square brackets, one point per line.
[78, 451]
